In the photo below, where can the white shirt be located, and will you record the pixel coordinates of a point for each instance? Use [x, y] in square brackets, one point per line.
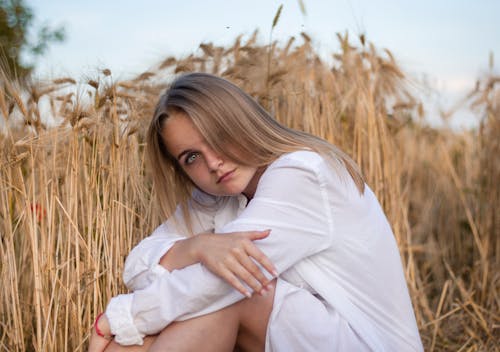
[325, 239]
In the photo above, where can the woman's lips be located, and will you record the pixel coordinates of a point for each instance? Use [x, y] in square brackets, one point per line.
[225, 176]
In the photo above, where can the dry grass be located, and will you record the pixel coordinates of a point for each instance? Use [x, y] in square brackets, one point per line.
[74, 199]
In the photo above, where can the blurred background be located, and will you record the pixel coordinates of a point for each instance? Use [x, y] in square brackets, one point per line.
[444, 46]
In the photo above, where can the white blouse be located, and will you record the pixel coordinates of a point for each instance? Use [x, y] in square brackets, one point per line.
[341, 278]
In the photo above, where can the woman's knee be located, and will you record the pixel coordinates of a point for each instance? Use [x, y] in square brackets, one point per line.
[201, 333]
[258, 302]
[254, 312]
[115, 347]
[250, 313]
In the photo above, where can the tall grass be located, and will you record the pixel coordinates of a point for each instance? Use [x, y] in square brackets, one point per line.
[74, 199]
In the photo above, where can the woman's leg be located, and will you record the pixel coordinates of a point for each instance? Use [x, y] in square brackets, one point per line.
[212, 332]
[148, 341]
[254, 317]
[243, 323]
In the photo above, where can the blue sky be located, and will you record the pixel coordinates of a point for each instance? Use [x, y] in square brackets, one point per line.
[447, 41]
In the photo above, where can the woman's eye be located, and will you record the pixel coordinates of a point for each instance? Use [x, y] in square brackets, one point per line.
[191, 158]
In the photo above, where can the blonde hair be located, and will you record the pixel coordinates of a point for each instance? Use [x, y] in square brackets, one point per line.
[226, 116]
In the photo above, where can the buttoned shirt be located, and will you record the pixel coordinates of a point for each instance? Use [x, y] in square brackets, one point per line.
[331, 245]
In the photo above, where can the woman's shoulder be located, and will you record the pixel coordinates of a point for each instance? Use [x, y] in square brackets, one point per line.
[324, 169]
[295, 167]
[304, 158]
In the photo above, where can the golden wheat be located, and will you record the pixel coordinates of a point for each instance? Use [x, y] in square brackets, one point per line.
[76, 198]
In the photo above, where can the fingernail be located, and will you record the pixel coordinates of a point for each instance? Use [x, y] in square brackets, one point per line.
[275, 273]
[248, 294]
[269, 287]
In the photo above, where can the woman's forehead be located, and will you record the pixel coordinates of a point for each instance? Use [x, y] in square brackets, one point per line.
[179, 133]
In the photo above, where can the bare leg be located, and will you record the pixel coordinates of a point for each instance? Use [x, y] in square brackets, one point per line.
[254, 317]
[148, 341]
[211, 332]
[243, 323]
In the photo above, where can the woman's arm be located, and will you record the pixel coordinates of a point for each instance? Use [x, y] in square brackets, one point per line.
[233, 257]
[143, 266]
[290, 200]
[166, 250]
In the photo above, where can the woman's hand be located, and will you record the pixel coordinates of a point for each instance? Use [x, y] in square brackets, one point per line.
[230, 257]
[98, 343]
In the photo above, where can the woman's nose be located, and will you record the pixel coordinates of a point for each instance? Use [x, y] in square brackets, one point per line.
[214, 161]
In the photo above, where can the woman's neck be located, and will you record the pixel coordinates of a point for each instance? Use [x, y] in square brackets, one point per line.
[249, 192]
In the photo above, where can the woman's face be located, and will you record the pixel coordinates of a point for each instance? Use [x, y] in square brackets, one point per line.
[212, 173]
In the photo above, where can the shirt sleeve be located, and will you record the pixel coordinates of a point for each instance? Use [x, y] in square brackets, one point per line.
[142, 264]
[290, 200]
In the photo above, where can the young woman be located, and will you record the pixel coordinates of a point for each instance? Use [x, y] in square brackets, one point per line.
[256, 201]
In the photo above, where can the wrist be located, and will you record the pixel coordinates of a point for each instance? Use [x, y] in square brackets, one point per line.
[195, 247]
[182, 254]
[102, 328]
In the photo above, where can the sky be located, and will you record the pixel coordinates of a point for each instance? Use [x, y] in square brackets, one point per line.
[445, 43]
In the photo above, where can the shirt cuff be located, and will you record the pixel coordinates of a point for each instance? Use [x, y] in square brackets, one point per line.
[121, 322]
[142, 267]
[158, 270]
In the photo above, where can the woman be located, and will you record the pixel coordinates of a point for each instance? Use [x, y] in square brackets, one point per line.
[294, 203]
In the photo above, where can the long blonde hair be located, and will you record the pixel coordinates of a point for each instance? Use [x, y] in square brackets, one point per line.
[226, 116]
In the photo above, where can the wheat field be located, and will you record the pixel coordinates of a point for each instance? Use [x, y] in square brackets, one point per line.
[76, 195]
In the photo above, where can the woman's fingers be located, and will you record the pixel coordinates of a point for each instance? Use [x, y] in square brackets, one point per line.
[244, 269]
[253, 277]
[228, 275]
[238, 260]
[257, 235]
[253, 251]
[249, 255]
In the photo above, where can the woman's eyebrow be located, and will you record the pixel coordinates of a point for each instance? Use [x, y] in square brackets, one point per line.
[184, 152]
